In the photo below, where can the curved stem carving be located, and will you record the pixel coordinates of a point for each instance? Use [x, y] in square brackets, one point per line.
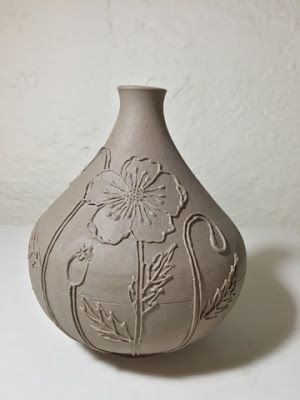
[56, 236]
[50, 247]
[214, 232]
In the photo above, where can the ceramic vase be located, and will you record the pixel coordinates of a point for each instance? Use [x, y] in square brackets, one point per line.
[135, 257]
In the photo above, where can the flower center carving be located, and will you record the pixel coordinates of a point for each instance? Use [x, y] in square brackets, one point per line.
[136, 199]
[84, 253]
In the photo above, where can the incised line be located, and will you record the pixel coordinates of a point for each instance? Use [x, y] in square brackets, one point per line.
[55, 238]
[139, 300]
[195, 269]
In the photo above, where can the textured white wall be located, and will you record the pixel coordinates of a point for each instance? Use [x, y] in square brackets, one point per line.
[233, 105]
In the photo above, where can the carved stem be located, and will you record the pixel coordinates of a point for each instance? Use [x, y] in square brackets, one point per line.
[47, 255]
[139, 299]
[57, 234]
[195, 269]
[74, 311]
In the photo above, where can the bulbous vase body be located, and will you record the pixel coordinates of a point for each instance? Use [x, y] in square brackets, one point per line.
[135, 257]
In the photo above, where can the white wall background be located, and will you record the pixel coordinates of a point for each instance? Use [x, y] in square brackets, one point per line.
[233, 105]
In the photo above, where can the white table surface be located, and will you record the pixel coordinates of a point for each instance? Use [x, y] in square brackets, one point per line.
[254, 354]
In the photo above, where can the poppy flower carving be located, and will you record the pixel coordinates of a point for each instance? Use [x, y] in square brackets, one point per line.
[139, 202]
[142, 200]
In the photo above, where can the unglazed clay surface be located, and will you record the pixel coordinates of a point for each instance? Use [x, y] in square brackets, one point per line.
[135, 257]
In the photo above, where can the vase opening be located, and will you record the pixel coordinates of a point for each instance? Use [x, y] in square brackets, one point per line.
[139, 87]
[141, 97]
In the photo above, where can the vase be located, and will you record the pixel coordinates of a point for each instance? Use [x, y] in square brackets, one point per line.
[136, 257]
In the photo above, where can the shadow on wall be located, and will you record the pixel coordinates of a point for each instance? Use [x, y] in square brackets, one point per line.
[261, 321]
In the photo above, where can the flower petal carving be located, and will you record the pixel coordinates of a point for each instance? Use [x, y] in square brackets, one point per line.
[104, 187]
[143, 170]
[166, 194]
[153, 230]
[142, 200]
[107, 229]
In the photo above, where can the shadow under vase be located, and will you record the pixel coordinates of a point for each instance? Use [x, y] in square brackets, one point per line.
[262, 320]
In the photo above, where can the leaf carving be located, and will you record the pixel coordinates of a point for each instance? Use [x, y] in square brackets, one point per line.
[156, 275]
[33, 250]
[223, 296]
[132, 292]
[105, 323]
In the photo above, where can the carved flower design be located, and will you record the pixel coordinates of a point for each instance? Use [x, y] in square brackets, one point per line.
[142, 200]
[78, 265]
[84, 253]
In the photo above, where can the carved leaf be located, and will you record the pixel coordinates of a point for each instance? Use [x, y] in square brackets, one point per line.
[132, 292]
[33, 250]
[224, 295]
[105, 323]
[156, 277]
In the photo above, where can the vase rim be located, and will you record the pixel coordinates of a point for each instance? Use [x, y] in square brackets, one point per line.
[139, 87]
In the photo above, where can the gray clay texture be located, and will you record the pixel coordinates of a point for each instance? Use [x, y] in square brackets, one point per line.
[135, 257]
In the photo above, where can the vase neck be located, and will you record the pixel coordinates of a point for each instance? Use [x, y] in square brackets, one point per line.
[140, 128]
[141, 106]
